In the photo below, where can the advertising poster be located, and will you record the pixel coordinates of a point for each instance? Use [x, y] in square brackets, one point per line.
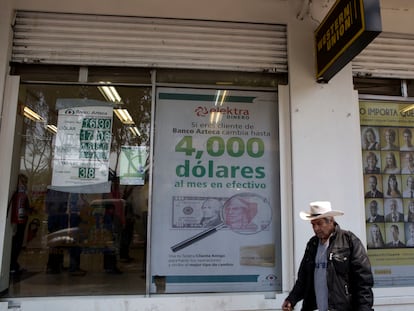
[388, 164]
[82, 146]
[132, 165]
[216, 203]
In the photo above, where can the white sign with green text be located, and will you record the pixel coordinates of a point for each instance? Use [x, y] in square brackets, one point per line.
[82, 146]
[216, 210]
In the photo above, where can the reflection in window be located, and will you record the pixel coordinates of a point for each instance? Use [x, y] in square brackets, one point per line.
[76, 242]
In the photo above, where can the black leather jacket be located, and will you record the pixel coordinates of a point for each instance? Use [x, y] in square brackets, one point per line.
[349, 275]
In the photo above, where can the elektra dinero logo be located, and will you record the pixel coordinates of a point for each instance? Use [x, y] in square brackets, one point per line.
[227, 112]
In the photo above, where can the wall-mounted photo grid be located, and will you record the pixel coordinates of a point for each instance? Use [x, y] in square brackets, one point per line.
[388, 166]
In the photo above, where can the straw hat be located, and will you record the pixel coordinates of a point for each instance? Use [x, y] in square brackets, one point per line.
[319, 209]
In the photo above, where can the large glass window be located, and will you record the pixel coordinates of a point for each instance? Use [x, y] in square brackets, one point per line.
[82, 181]
[388, 167]
[83, 152]
[386, 118]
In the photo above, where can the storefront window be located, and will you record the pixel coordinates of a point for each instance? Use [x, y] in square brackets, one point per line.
[82, 150]
[85, 157]
[388, 167]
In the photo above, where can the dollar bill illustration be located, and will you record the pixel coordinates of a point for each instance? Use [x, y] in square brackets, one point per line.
[197, 212]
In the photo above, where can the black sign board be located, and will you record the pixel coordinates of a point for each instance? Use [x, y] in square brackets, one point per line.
[346, 30]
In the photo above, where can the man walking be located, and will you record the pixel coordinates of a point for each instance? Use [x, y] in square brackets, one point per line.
[335, 272]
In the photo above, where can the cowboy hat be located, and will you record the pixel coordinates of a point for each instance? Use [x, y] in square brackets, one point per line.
[319, 209]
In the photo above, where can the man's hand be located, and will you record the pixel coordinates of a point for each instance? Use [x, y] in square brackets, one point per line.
[287, 306]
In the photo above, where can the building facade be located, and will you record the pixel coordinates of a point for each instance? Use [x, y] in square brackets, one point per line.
[224, 100]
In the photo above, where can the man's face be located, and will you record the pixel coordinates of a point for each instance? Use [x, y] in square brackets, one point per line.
[372, 183]
[389, 137]
[210, 208]
[411, 207]
[407, 138]
[409, 158]
[239, 214]
[395, 233]
[393, 207]
[371, 162]
[412, 231]
[323, 227]
[374, 209]
[410, 183]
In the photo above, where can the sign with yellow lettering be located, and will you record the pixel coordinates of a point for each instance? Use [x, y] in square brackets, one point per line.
[346, 30]
[387, 150]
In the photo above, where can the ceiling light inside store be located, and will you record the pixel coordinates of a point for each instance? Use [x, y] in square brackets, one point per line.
[52, 128]
[124, 116]
[220, 97]
[109, 93]
[406, 109]
[135, 131]
[215, 117]
[30, 114]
